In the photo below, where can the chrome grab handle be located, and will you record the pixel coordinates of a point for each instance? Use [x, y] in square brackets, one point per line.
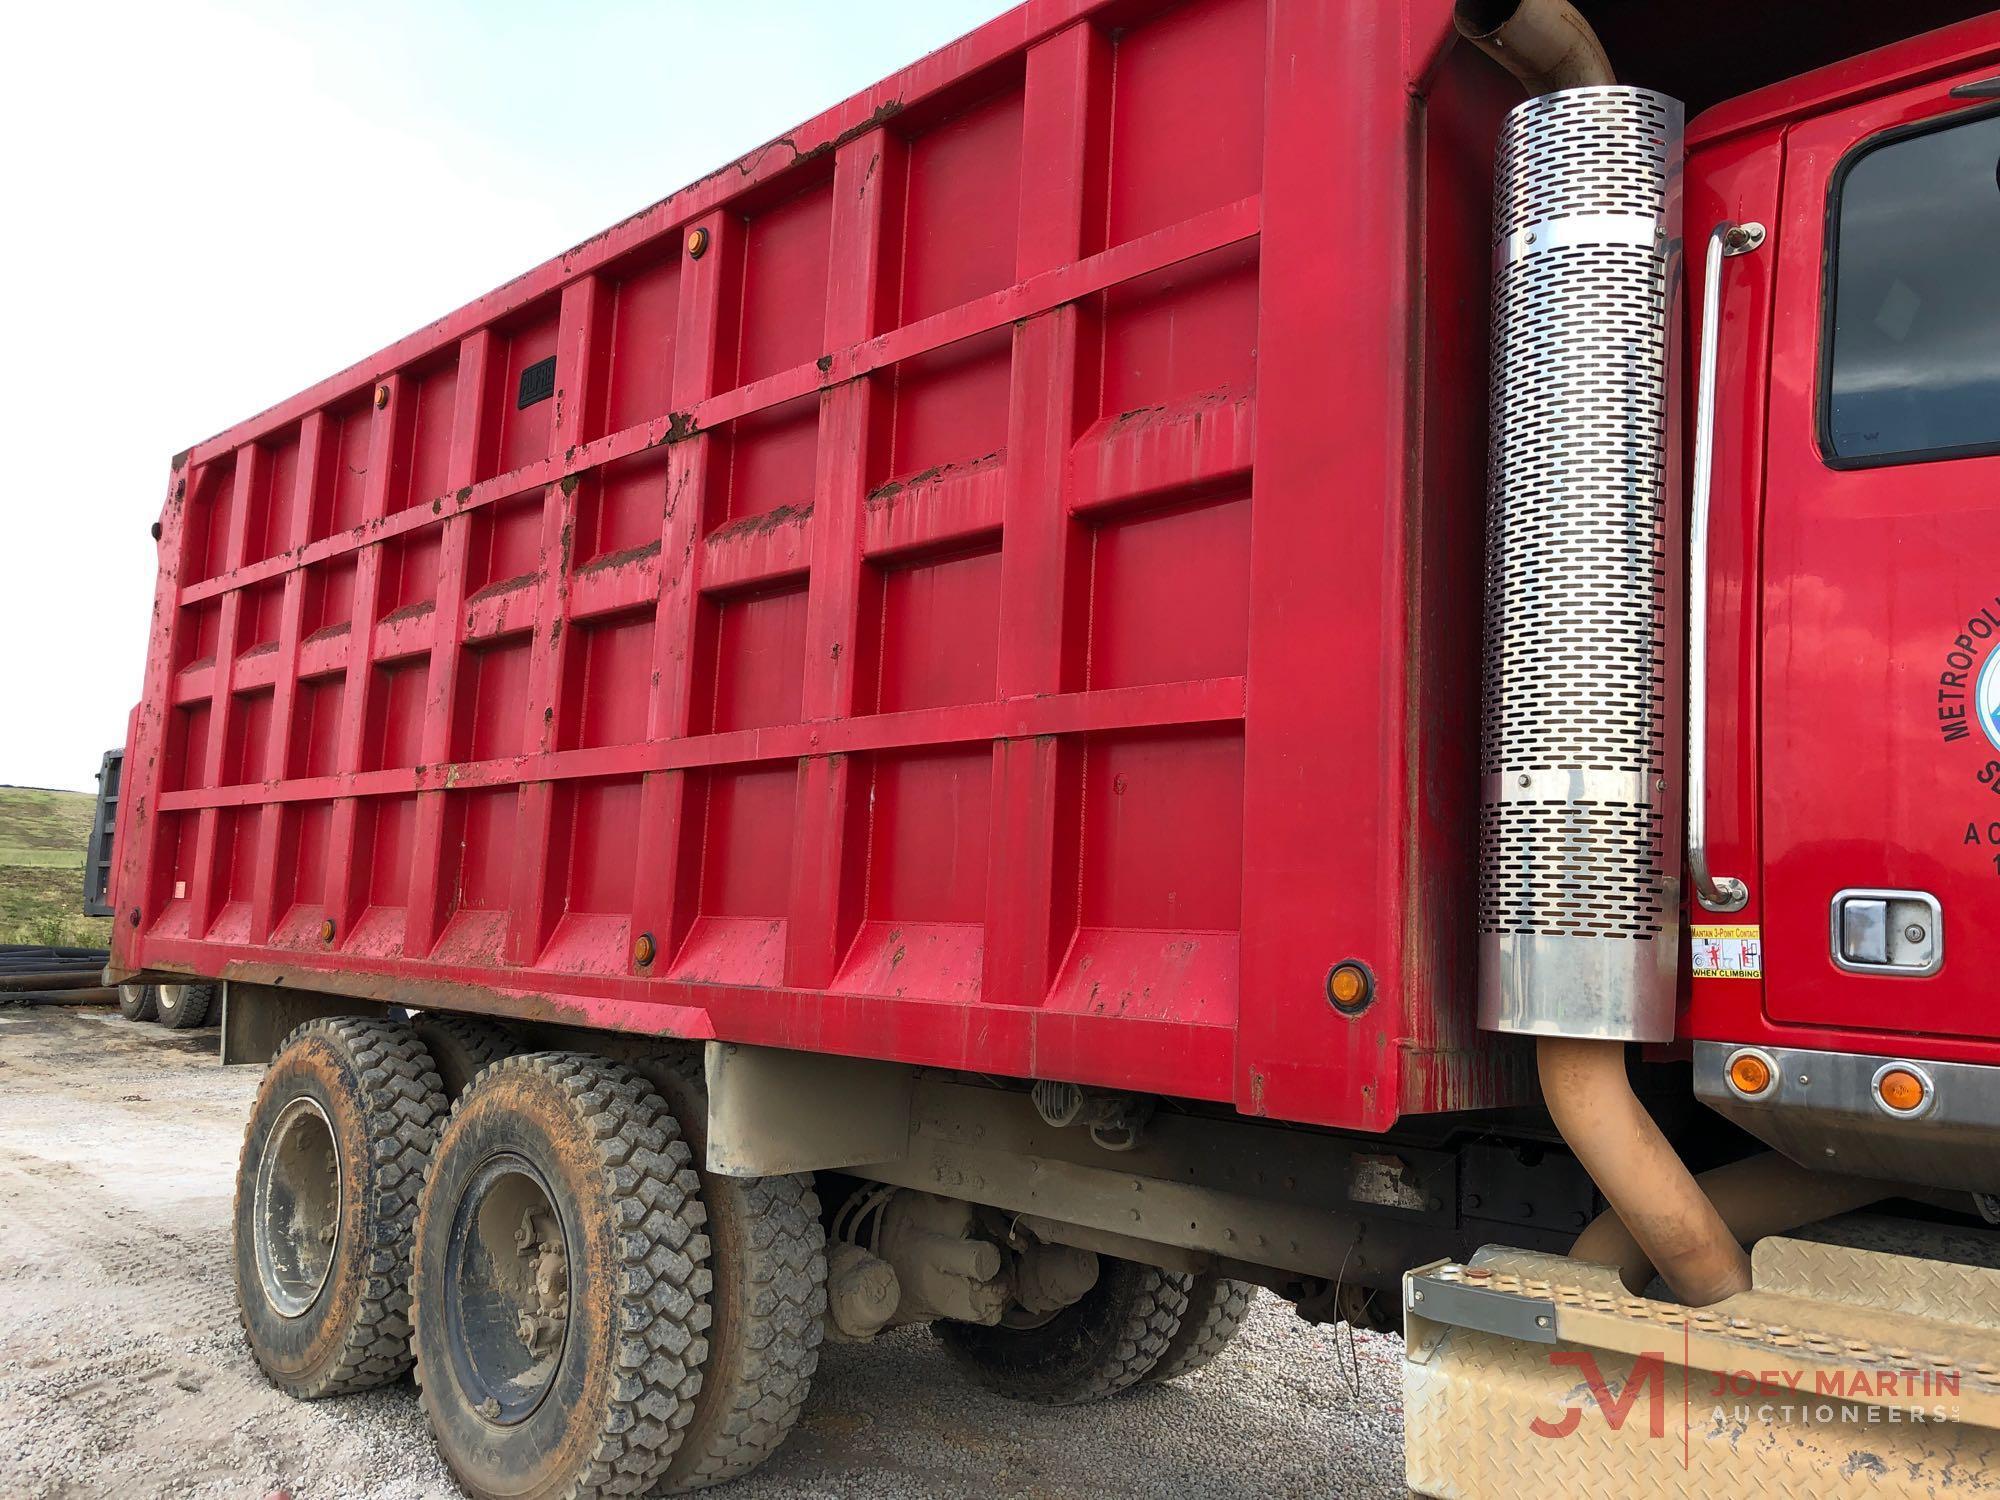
[1717, 893]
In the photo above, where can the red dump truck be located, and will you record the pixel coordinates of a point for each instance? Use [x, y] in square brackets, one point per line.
[1312, 644]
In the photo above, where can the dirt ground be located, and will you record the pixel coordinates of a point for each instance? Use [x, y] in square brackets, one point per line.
[123, 1372]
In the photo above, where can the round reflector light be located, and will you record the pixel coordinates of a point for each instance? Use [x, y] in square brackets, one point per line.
[1751, 1073]
[1902, 1090]
[1350, 986]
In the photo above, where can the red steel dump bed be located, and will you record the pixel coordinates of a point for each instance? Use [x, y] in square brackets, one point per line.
[965, 584]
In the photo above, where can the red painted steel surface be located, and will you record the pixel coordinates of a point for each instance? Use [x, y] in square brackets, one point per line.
[1010, 603]
[1841, 598]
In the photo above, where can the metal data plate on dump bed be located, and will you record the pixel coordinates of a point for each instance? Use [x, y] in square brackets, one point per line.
[1842, 1372]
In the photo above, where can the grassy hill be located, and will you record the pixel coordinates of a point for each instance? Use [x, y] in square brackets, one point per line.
[42, 838]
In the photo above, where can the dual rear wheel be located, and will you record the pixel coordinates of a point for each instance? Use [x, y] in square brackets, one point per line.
[538, 1249]
[588, 1312]
[180, 1007]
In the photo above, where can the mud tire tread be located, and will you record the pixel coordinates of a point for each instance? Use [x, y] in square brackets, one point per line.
[1104, 1344]
[1216, 1307]
[146, 1005]
[463, 1047]
[198, 1001]
[403, 1106]
[660, 1310]
[770, 1316]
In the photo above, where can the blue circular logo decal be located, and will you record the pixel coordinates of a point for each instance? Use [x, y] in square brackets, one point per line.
[1986, 698]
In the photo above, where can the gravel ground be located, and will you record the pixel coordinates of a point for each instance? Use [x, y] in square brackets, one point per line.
[123, 1372]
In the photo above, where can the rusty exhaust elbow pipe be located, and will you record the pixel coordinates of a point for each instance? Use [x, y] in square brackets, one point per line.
[1757, 1196]
[1657, 1198]
[1544, 43]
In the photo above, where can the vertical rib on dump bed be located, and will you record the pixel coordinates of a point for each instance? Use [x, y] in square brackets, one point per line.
[964, 584]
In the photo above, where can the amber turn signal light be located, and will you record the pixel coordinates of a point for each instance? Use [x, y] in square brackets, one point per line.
[1750, 1073]
[644, 950]
[1901, 1091]
[1350, 987]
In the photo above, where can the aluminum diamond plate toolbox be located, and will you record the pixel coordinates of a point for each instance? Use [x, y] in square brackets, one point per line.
[1838, 1374]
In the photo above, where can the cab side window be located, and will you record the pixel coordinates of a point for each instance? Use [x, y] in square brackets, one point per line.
[1914, 323]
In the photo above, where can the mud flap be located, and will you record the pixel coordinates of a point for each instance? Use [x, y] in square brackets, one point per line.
[1841, 1372]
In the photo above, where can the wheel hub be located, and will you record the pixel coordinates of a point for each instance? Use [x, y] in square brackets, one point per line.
[296, 1215]
[542, 1326]
[508, 1290]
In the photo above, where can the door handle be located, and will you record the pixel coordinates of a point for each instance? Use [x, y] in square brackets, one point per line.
[1887, 932]
[1717, 893]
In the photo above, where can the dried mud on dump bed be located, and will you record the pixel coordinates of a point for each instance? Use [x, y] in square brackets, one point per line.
[123, 1372]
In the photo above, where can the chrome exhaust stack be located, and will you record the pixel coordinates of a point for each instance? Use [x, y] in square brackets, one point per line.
[1579, 858]
[1579, 830]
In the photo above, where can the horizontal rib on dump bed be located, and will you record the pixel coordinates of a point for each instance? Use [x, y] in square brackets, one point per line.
[818, 611]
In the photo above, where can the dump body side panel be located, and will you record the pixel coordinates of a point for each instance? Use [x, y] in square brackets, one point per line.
[965, 584]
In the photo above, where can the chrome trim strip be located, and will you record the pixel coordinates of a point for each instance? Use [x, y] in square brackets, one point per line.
[1624, 788]
[1580, 231]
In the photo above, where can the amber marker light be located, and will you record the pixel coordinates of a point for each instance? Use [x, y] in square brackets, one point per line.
[1902, 1091]
[1350, 987]
[1750, 1074]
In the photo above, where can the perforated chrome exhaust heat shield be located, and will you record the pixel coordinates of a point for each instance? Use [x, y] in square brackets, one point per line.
[1579, 852]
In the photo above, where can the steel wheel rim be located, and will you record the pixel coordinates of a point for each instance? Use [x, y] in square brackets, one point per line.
[1020, 1320]
[507, 1290]
[297, 1207]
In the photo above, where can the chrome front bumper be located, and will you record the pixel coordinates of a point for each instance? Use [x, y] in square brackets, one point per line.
[1822, 1112]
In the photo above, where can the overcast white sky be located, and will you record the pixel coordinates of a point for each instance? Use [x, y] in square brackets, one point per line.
[206, 207]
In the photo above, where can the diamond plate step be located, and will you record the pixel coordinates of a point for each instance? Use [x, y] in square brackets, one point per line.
[1840, 1372]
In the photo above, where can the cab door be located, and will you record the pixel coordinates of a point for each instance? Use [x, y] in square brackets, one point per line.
[1880, 652]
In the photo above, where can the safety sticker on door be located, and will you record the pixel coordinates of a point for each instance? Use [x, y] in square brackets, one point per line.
[1729, 952]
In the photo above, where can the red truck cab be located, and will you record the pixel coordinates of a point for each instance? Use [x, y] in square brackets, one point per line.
[1855, 602]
